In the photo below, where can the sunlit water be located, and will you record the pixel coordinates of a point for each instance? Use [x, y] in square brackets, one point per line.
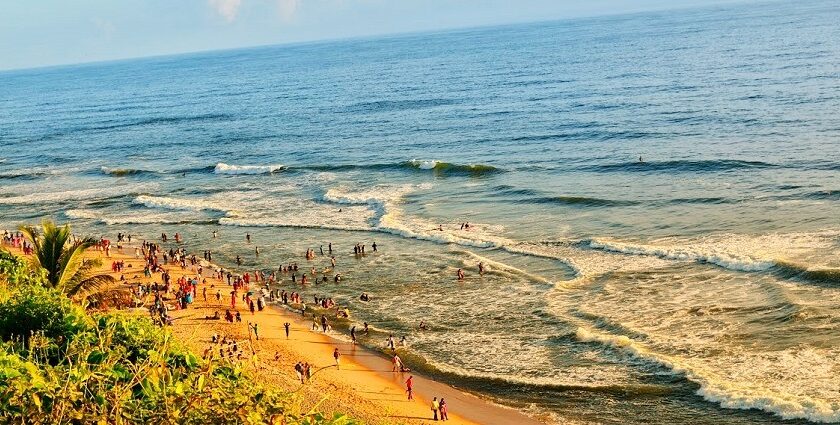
[687, 287]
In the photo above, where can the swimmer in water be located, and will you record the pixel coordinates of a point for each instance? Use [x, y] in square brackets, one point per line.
[460, 274]
[480, 268]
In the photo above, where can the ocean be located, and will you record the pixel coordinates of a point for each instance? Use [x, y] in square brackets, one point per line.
[655, 196]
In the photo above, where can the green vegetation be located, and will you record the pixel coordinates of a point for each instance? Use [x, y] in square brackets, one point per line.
[59, 255]
[60, 364]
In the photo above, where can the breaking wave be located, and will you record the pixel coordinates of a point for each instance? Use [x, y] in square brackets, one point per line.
[726, 394]
[222, 168]
[720, 258]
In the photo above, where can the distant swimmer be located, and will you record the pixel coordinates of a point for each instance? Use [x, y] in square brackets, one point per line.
[460, 274]
[248, 237]
[480, 268]
[215, 234]
[640, 158]
[440, 227]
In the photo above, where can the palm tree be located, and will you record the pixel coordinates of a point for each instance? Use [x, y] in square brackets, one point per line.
[61, 258]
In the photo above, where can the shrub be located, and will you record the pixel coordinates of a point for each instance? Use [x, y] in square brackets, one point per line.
[61, 365]
[37, 309]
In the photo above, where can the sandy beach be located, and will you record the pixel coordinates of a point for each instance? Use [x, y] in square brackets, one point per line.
[365, 387]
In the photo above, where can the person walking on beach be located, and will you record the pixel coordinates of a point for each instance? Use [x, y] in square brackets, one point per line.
[286, 325]
[204, 292]
[254, 327]
[435, 408]
[444, 414]
[409, 387]
[336, 356]
[396, 363]
[353, 334]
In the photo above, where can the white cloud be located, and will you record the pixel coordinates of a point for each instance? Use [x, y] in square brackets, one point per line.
[227, 8]
[287, 9]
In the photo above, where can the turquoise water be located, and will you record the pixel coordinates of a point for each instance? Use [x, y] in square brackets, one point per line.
[698, 285]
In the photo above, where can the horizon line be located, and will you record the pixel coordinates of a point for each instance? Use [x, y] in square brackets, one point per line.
[374, 36]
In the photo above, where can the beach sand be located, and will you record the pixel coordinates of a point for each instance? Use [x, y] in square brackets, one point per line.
[365, 387]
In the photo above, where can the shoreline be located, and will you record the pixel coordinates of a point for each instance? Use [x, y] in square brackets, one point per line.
[365, 387]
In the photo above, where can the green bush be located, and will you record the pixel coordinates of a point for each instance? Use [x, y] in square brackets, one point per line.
[15, 271]
[61, 365]
[38, 309]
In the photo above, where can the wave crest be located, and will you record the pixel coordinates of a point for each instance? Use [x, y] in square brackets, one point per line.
[450, 168]
[222, 168]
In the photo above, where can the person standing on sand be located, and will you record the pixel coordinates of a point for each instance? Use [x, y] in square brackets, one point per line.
[204, 292]
[299, 371]
[254, 327]
[336, 356]
[444, 414]
[353, 334]
[286, 325]
[397, 363]
[409, 387]
[435, 408]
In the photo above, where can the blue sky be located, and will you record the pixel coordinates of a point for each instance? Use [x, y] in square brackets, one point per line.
[36, 33]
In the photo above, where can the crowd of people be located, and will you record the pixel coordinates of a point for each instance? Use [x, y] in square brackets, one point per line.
[254, 289]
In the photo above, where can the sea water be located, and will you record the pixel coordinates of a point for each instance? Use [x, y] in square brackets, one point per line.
[655, 197]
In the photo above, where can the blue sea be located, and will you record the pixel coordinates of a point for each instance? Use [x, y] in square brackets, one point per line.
[655, 197]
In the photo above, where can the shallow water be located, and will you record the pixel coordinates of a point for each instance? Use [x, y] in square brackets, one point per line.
[685, 288]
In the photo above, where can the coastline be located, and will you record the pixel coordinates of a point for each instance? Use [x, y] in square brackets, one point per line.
[365, 387]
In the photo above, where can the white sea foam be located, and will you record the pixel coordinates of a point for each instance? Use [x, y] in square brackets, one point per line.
[425, 164]
[222, 168]
[722, 390]
[493, 267]
[122, 219]
[183, 204]
[92, 193]
[728, 260]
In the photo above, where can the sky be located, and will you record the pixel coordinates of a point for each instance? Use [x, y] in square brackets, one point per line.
[36, 33]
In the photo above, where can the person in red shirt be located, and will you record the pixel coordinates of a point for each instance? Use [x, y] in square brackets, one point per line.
[409, 387]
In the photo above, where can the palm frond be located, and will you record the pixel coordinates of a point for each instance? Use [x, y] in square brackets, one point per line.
[88, 286]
